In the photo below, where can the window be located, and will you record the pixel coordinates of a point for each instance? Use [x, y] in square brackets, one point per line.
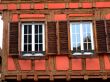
[81, 34]
[33, 40]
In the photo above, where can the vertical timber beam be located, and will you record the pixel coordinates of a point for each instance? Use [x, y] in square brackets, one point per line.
[6, 17]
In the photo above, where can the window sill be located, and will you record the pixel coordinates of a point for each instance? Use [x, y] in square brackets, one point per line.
[33, 55]
[82, 54]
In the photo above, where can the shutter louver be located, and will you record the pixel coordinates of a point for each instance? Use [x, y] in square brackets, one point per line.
[63, 35]
[52, 38]
[13, 38]
[108, 33]
[101, 36]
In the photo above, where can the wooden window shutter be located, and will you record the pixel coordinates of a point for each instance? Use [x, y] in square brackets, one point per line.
[63, 35]
[108, 35]
[52, 38]
[13, 38]
[101, 36]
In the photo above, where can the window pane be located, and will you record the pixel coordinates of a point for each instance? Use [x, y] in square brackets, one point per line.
[89, 46]
[78, 38]
[25, 47]
[36, 29]
[25, 29]
[29, 47]
[40, 38]
[29, 39]
[36, 47]
[84, 28]
[30, 29]
[73, 28]
[77, 28]
[25, 38]
[74, 38]
[85, 46]
[88, 27]
[85, 37]
[78, 46]
[40, 28]
[40, 47]
[36, 38]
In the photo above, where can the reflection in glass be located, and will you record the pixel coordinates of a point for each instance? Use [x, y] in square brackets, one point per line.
[36, 38]
[74, 38]
[25, 47]
[89, 46]
[85, 46]
[36, 47]
[40, 47]
[25, 38]
[25, 29]
[29, 47]
[29, 39]
[40, 28]
[77, 28]
[36, 29]
[29, 29]
[40, 38]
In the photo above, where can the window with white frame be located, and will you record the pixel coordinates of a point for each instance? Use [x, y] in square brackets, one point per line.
[33, 39]
[81, 34]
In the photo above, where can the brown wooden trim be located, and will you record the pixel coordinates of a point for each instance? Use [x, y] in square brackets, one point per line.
[58, 38]
[46, 38]
[95, 35]
[5, 41]
[69, 41]
[101, 62]
[19, 37]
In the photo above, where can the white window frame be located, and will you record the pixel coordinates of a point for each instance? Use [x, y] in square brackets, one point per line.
[33, 38]
[81, 37]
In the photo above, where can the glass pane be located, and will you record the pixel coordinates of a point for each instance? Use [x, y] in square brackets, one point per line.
[36, 29]
[77, 28]
[29, 39]
[74, 38]
[36, 47]
[40, 28]
[89, 46]
[29, 47]
[74, 44]
[73, 28]
[89, 38]
[30, 29]
[85, 46]
[40, 38]
[84, 28]
[25, 47]
[36, 38]
[85, 38]
[78, 46]
[40, 47]
[25, 38]
[25, 29]
[88, 27]
[78, 38]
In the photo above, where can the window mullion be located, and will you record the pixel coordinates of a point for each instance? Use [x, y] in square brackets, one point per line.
[81, 36]
[71, 36]
[92, 42]
[33, 38]
[43, 38]
[22, 45]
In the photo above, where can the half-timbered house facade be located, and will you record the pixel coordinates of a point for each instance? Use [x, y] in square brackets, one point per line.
[55, 40]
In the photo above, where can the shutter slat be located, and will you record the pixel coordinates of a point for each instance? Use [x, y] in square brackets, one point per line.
[63, 37]
[13, 38]
[101, 36]
[52, 39]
